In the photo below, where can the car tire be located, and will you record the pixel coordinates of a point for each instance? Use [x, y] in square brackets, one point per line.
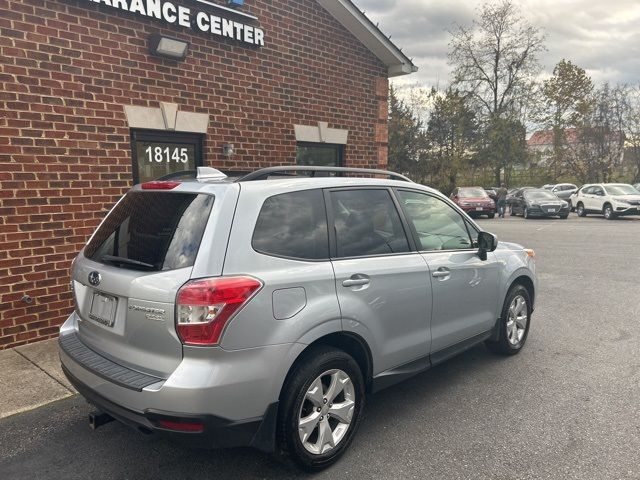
[564, 217]
[525, 213]
[582, 212]
[518, 317]
[491, 215]
[608, 212]
[571, 209]
[320, 366]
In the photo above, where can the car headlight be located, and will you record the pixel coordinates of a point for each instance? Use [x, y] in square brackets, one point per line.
[565, 204]
[624, 202]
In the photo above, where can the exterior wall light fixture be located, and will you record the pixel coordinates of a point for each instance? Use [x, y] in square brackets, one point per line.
[168, 47]
[228, 149]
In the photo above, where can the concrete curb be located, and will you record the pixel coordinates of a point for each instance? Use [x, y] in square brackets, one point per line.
[30, 376]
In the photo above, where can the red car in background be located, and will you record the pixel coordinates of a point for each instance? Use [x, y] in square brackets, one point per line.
[474, 200]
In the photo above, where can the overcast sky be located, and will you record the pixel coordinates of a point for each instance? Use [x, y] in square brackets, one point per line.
[602, 37]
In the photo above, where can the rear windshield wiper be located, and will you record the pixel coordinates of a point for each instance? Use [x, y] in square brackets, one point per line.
[128, 261]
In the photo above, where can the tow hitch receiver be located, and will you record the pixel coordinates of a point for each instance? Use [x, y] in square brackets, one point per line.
[97, 419]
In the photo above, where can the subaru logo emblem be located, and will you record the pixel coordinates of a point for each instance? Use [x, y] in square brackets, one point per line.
[94, 278]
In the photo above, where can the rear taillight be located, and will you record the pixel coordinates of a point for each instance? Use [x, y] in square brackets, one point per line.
[159, 185]
[204, 307]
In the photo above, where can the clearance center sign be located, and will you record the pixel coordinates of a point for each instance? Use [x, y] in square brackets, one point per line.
[193, 18]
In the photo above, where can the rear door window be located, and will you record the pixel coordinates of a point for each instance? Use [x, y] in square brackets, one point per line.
[366, 223]
[153, 231]
[293, 225]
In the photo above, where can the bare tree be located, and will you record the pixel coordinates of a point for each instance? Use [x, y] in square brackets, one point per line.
[495, 60]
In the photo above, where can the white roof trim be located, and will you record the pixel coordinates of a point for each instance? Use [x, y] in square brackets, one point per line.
[370, 36]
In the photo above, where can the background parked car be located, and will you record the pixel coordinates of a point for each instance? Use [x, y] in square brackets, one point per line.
[609, 199]
[637, 186]
[563, 191]
[492, 193]
[538, 202]
[474, 201]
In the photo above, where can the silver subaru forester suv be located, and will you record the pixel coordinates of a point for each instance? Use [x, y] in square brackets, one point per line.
[262, 310]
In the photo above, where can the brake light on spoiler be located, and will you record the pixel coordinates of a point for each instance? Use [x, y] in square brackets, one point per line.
[205, 306]
[159, 185]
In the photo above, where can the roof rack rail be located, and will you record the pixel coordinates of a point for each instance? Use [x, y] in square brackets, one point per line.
[263, 173]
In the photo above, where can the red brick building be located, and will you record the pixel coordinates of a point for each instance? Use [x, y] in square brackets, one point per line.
[97, 94]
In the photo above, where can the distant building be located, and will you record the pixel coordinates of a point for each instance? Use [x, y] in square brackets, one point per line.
[541, 144]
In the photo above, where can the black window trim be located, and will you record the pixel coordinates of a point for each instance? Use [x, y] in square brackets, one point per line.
[333, 245]
[448, 202]
[163, 136]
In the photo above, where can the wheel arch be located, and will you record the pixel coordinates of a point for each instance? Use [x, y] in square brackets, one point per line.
[527, 283]
[348, 342]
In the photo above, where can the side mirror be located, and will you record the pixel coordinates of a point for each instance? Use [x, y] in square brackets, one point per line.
[487, 242]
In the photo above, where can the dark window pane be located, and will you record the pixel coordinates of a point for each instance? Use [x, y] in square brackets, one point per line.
[319, 155]
[439, 226]
[161, 230]
[293, 225]
[367, 223]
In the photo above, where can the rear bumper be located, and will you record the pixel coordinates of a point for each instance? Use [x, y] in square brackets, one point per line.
[217, 432]
[485, 210]
[234, 394]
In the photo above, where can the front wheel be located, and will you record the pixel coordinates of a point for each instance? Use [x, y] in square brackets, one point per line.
[582, 212]
[491, 215]
[564, 217]
[514, 322]
[608, 213]
[320, 408]
[525, 214]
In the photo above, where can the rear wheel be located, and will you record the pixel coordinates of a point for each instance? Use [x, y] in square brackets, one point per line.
[608, 212]
[582, 212]
[514, 322]
[320, 408]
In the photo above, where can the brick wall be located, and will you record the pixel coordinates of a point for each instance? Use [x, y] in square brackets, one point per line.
[67, 68]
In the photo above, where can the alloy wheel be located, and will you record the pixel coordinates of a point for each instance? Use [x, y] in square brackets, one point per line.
[326, 411]
[517, 320]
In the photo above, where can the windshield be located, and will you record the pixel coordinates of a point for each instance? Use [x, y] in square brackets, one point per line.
[152, 231]
[472, 192]
[539, 195]
[621, 189]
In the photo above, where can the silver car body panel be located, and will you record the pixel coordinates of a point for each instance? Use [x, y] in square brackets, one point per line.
[396, 313]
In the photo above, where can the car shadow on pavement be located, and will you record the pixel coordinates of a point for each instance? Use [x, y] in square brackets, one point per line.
[72, 450]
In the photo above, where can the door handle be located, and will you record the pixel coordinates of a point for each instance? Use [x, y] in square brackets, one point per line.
[441, 273]
[355, 282]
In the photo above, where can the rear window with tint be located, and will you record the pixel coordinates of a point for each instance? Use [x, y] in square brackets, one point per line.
[152, 231]
[293, 225]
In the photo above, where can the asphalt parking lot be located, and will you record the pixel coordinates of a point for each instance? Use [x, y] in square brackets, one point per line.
[567, 407]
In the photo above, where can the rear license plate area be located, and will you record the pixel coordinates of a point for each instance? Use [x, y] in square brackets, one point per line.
[103, 309]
